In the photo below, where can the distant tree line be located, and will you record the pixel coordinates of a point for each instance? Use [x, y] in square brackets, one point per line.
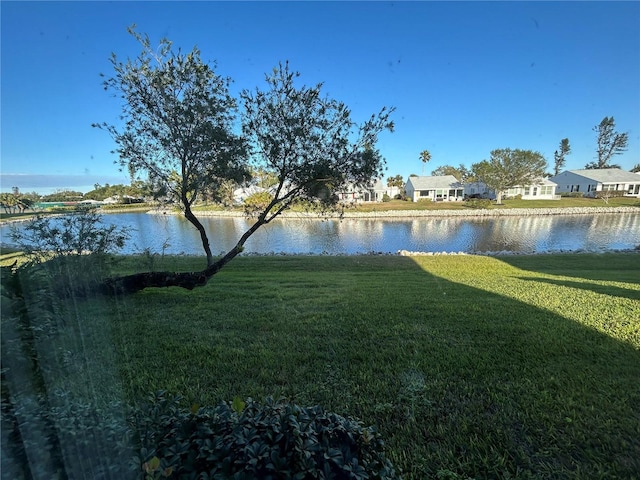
[508, 168]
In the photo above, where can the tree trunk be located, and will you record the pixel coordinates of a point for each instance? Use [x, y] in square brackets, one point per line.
[203, 234]
[189, 280]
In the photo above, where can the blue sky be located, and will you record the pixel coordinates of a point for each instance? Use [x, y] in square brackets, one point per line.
[465, 77]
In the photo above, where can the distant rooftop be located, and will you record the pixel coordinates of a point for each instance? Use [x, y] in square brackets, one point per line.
[441, 181]
[605, 175]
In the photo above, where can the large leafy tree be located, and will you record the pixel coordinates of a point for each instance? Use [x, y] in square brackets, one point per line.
[462, 173]
[609, 143]
[178, 124]
[558, 156]
[308, 142]
[63, 196]
[178, 130]
[8, 201]
[509, 168]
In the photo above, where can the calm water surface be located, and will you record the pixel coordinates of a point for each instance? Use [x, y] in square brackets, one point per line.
[536, 234]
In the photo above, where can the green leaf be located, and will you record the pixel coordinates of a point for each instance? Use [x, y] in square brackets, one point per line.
[238, 404]
[152, 465]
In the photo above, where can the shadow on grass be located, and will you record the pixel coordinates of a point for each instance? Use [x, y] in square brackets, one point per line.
[456, 378]
[615, 267]
[590, 286]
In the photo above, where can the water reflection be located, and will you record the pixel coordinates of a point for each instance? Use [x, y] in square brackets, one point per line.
[536, 234]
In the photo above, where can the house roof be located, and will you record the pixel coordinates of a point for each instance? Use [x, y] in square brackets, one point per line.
[440, 181]
[543, 181]
[607, 175]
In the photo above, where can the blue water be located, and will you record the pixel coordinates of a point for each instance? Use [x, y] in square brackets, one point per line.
[171, 234]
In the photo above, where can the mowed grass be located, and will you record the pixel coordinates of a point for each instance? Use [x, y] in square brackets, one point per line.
[564, 202]
[469, 366]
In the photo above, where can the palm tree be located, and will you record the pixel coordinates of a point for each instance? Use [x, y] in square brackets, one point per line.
[425, 156]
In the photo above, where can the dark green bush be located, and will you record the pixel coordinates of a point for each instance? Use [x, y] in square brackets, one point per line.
[572, 194]
[477, 203]
[386, 198]
[276, 439]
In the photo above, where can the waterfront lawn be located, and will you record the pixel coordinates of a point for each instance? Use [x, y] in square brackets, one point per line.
[564, 202]
[511, 367]
[401, 205]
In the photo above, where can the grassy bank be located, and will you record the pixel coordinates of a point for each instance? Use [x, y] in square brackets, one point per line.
[366, 207]
[511, 367]
[564, 202]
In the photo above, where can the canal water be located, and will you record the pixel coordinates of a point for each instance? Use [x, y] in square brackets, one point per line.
[172, 234]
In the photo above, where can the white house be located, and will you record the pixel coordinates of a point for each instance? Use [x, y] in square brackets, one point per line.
[242, 193]
[541, 189]
[380, 189]
[437, 188]
[478, 189]
[373, 193]
[591, 181]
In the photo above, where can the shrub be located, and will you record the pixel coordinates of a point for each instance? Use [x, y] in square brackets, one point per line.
[424, 200]
[77, 233]
[70, 251]
[477, 203]
[607, 194]
[73, 440]
[386, 198]
[572, 194]
[276, 439]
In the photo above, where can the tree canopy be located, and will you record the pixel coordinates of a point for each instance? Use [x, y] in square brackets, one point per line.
[559, 155]
[137, 188]
[178, 129]
[178, 124]
[609, 143]
[307, 141]
[509, 168]
[425, 157]
[462, 173]
[395, 181]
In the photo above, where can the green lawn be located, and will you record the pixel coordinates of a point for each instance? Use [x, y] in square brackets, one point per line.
[564, 202]
[510, 367]
[384, 206]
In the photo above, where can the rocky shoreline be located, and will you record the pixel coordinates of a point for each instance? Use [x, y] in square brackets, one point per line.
[426, 213]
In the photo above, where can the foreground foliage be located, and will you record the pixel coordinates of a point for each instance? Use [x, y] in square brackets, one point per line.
[251, 440]
[469, 367]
